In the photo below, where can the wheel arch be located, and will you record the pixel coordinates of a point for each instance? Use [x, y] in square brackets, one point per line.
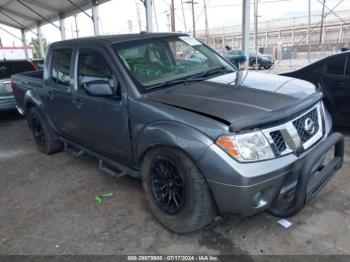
[31, 99]
[188, 140]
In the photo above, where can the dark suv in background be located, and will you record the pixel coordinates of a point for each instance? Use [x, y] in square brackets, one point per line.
[235, 56]
[260, 61]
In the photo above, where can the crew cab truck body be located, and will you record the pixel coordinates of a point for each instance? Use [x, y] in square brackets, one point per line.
[204, 137]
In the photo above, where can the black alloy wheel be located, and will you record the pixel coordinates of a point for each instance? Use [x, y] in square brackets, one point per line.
[37, 129]
[167, 185]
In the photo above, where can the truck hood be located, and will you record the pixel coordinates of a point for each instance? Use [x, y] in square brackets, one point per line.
[243, 99]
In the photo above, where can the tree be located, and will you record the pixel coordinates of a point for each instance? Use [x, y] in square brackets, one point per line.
[36, 48]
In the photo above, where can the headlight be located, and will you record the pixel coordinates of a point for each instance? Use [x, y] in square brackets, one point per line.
[246, 147]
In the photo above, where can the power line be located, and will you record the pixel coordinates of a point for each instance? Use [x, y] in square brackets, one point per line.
[311, 31]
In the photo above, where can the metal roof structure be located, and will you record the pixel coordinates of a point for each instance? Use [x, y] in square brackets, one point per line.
[27, 14]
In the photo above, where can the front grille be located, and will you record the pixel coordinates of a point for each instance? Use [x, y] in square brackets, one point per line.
[299, 124]
[278, 141]
[303, 131]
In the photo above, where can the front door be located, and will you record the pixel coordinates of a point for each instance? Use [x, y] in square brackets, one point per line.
[102, 121]
[336, 80]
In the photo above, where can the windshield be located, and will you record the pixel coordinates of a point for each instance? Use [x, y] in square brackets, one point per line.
[158, 62]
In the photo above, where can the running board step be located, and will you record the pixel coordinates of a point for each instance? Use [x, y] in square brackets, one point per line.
[73, 150]
[109, 170]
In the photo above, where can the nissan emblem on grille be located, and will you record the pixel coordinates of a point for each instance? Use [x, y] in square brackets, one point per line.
[309, 126]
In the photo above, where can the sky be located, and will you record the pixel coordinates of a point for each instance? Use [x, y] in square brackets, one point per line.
[115, 14]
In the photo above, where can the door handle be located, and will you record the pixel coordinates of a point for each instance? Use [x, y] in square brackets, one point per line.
[78, 104]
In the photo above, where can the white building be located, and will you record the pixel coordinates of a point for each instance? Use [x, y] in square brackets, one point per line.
[12, 52]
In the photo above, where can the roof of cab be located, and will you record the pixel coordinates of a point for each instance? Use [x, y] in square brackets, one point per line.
[110, 39]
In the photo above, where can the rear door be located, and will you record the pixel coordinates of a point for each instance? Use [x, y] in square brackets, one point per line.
[57, 93]
[336, 84]
[102, 121]
[345, 108]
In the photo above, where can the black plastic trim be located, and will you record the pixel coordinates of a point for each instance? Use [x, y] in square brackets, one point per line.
[303, 191]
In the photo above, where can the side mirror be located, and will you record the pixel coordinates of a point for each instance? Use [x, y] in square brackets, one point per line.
[99, 88]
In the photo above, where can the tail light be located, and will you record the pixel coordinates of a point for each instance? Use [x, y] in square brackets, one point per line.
[35, 68]
[14, 88]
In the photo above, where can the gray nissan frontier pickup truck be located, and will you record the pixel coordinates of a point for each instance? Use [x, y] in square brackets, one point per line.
[204, 137]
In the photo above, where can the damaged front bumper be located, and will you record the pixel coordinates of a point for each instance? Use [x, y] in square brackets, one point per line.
[250, 188]
[313, 176]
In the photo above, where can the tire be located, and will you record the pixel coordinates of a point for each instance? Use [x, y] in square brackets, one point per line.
[43, 137]
[196, 209]
[256, 66]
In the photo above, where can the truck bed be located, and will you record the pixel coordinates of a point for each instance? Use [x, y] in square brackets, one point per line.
[26, 81]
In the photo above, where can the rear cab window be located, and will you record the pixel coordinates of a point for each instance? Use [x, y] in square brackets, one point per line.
[61, 67]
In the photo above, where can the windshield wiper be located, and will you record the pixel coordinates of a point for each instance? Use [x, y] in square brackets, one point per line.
[210, 72]
[171, 82]
[198, 77]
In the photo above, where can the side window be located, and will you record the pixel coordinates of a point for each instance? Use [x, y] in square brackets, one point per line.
[347, 72]
[320, 69]
[337, 67]
[92, 67]
[60, 72]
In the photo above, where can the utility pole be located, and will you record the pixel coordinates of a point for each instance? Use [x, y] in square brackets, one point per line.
[40, 38]
[309, 34]
[256, 2]
[183, 15]
[193, 16]
[322, 22]
[168, 20]
[148, 6]
[246, 30]
[193, 19]
[129, 23]
[94, 12]
[172, 14]
[62, 27]
[206, 22]
[155, 15]
[24, 43]
[76, 26]
[71, 30]
[138, 15]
